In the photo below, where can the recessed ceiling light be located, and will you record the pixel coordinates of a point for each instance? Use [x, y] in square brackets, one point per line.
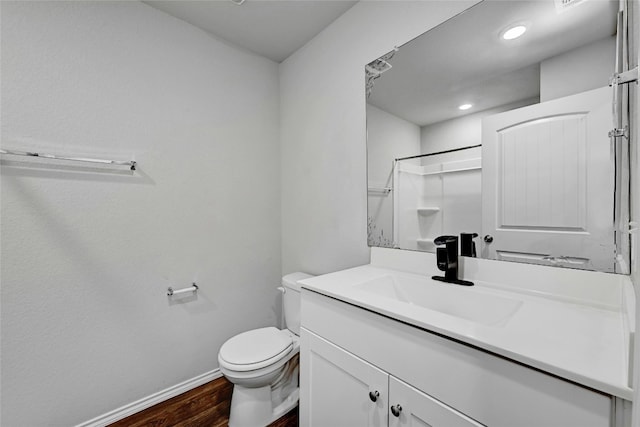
[465, 107]
[514, 32]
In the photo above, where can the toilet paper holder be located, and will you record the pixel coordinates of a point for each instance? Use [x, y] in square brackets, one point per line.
[193, 288]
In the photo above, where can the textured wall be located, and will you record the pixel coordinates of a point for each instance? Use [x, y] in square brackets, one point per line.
[324, 179]
[461, 132]
[87, 256]
[563, 75]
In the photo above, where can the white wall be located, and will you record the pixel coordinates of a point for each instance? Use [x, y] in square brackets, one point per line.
[460, 132]
[323, 130]
[388, 137]
[87, 256]
[565, 74]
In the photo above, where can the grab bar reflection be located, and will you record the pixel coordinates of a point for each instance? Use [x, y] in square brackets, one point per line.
[385, 190]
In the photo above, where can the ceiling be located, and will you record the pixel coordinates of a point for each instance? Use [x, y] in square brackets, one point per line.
[464, 60]
[271, 28]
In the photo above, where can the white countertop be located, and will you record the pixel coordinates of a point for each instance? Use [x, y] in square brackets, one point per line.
[581, 342]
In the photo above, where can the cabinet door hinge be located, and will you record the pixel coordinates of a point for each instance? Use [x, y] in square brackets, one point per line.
[624, 77]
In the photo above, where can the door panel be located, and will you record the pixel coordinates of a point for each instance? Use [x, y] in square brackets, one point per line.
[421, 410]
[335, 387]
[543, 186]
[548, 183]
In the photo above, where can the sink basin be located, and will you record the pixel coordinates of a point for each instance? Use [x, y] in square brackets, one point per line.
[454, 300]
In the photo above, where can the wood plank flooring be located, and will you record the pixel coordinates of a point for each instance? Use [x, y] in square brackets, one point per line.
[204, 406]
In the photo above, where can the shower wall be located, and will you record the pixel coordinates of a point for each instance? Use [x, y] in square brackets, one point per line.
[87, 256]
[436, 199]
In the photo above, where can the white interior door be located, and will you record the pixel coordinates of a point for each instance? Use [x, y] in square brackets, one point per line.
[548, 183]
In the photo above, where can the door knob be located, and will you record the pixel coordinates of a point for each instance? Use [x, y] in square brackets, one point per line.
[488, 238]
[373, 395]
[395, 410]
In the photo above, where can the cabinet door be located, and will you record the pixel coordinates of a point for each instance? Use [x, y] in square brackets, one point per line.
[335, 387]
[411, 407]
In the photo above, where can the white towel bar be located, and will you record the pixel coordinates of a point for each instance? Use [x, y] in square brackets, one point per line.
[131, 164]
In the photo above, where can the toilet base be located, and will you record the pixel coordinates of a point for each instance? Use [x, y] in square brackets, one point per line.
[252, 407]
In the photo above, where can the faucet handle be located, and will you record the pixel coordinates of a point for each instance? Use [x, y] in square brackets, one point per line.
[443, 240]
[467, 245]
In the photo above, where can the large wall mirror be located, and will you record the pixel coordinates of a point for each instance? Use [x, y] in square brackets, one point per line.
[497, 123]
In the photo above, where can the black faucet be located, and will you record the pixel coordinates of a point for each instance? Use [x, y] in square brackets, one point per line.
[447, 259]
[467, 245]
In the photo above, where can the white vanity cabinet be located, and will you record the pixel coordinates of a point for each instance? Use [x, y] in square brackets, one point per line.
[348, 352]
[347, 391]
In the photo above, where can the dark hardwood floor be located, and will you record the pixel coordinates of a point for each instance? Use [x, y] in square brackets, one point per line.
[204, 406]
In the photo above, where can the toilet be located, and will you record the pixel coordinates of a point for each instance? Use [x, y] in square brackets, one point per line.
[262, 364]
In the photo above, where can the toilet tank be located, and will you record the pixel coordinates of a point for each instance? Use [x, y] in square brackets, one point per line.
[291, 300]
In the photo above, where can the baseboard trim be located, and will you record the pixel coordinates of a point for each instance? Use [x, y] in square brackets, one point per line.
[149, 401]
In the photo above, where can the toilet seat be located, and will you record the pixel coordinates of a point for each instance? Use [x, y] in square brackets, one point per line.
[255, 349]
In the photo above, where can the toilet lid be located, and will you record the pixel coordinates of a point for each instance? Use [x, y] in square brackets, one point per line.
[253, 347]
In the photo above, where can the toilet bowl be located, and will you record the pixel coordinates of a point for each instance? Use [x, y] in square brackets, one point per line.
[262, 364]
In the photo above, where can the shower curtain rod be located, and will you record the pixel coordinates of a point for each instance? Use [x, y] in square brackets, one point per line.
[439, 152]
[130, 163]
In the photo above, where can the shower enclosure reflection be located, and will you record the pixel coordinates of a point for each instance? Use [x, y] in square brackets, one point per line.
[436, 194]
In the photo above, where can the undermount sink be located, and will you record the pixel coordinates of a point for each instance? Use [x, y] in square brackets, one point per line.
[454, 300]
